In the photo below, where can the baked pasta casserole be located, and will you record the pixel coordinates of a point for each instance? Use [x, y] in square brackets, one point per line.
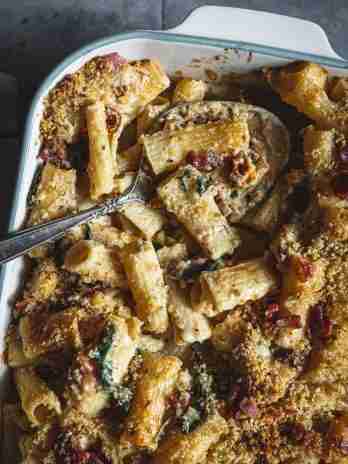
[208, 325]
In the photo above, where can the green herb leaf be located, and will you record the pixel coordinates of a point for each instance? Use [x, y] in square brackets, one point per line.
[190, 420]
[121, 393]
[101, 353]
[88, 232]
[202, 184]
[184, 180]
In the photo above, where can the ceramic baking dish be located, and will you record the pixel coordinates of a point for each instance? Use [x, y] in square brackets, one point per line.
[247, 39]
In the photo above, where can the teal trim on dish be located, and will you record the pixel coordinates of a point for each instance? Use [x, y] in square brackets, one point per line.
[153, 35]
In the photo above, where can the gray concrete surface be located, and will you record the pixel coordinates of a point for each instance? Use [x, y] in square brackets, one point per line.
[36, 34]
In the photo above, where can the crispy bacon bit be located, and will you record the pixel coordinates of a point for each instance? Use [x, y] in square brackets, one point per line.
[320, 325]
[274, 316]
[327, 327]
[20, 306]
[291, 321]
[179, 402]
[115, 59]
[249, 407]
[304, 268]
[204, 160]
[112, 121]
[340, 186]
[272, 311]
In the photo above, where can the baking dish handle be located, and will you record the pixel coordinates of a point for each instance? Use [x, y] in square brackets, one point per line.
[257, 27]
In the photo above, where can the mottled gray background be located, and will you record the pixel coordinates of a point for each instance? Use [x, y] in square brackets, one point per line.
[36, 34]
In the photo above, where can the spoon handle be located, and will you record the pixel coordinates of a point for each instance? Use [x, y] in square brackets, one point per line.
[21, 242]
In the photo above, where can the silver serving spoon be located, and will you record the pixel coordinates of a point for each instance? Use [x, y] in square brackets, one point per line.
[19, 243]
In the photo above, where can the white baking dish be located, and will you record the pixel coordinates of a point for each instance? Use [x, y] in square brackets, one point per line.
[254, 39]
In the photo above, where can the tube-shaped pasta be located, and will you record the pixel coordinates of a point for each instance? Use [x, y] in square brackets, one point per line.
[229, 287]
[318, 150]
[148, 221]
[190, 326]
[88, 391]
[187, 195]
[145, 278]
[189, 90]
[110, 236]
[167, 254]
[304, 85]
[125, 87]
[228, 334]
[151, 344]
[301, 289]
[55, 195]
[338, 88]
[124, 346]
[165, 150]
[94, 262]
[38, 402]
[128, 160]
[15, 353]
[150, 113]
[101, 165]
[143, 81]
[191, 448]
[149, 405]
[45, 332]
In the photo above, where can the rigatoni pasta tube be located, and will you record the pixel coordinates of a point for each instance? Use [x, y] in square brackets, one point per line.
[190, 326]
[229, 287]
[191, 448]
[124, 346]
[38, 402]
[128, 160]
[55, 195]
[101, 165]
[140, 83]
[149, 405]
[145, 279]
[110, 236]
[187, 196]
[94, 262]
[165, 150]
[189, 90]
[46, 332]
[150, 113]
[147, 220]
[15, 353]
